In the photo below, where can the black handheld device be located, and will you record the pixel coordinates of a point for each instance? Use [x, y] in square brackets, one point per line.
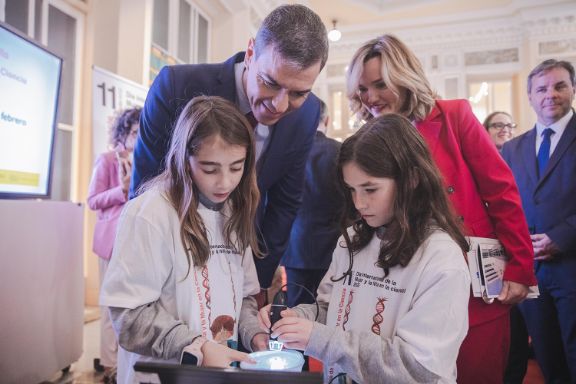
[278, 305]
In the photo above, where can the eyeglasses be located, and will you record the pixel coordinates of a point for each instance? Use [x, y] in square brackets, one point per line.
[501, 126]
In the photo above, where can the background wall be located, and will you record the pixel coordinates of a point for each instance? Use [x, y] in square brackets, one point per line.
[461, 44]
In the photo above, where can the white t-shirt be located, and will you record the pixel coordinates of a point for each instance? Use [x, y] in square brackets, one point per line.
[149, 264]
[422, 305]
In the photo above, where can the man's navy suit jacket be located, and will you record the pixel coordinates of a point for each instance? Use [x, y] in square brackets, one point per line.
[549, 202]
[280, 167]
[315, 230]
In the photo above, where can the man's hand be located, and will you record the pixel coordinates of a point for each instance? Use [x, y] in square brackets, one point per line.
[512, 293]
[544, 247]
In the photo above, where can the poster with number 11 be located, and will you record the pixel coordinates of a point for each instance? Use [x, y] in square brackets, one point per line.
[110, 94]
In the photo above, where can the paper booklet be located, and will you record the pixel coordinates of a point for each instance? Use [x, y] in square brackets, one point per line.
[486, 261]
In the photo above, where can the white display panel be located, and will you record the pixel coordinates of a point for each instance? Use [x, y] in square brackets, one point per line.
[29, 86]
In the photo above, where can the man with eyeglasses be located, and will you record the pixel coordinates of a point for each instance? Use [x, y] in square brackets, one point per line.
[272, 84]
[500, 127]
[543, 161]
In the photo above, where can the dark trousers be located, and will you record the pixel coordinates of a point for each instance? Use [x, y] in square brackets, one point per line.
[309, 278]
[519, 348]
[551, 320]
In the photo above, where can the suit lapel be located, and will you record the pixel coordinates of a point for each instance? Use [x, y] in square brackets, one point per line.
[565, 141]
[430, 129]
[529, 155]
[225, 86]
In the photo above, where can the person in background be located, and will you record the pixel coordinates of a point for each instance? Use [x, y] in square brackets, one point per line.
[182, 266]
[500, 127]
[385, 76]
[543, 161]
[272, 83]
[393, 304]
[315, 229]
[107, 193]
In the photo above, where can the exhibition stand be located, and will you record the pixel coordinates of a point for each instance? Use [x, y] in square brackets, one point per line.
[186, 374]
[41, 289]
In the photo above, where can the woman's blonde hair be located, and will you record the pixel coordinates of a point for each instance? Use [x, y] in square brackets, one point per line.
[204, 117]
[401, 69]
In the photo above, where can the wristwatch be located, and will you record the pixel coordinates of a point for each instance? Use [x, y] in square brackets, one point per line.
[192, 353]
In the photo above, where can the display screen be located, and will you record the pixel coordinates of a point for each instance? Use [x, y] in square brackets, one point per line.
[29, 87]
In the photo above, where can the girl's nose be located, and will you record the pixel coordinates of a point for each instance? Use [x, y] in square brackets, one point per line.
[225, 180]
[359, 202]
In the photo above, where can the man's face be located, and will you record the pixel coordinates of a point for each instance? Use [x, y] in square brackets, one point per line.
[274, 85]
[551, 95]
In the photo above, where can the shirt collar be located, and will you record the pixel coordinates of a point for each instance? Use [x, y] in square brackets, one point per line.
[209, 203]
[558, 127]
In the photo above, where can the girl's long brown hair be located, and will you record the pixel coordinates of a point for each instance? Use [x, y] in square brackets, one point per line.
[201, 118]
[389, 146]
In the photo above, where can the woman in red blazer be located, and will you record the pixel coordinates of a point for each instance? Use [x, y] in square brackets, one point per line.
[386, 77]
[107, 193]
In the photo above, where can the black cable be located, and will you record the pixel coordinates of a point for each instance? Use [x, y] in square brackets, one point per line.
[337, 376]
[308, 291]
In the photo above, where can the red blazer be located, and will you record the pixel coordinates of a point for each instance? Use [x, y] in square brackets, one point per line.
[105, 196]
[482, 190]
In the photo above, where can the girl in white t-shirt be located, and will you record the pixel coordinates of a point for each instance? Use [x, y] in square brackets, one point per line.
[394, 302]
[182, 266]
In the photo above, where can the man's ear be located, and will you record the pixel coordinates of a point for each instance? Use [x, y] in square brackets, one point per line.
[249, 52]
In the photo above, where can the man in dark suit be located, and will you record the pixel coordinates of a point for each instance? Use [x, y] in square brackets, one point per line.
[543, 161]
[271, 82]
[315, 230]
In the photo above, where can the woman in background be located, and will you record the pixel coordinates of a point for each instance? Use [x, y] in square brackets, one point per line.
[387, 77]
[500, 127]
[107, 193]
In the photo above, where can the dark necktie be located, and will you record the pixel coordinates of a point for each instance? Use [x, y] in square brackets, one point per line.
[251, 119]
[544, 151]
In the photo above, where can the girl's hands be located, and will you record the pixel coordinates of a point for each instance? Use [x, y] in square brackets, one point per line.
[260, 342]
[293, 331]
[264, 316]
[220, 356]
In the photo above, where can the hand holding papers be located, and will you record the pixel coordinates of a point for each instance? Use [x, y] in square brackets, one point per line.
[486, 262]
